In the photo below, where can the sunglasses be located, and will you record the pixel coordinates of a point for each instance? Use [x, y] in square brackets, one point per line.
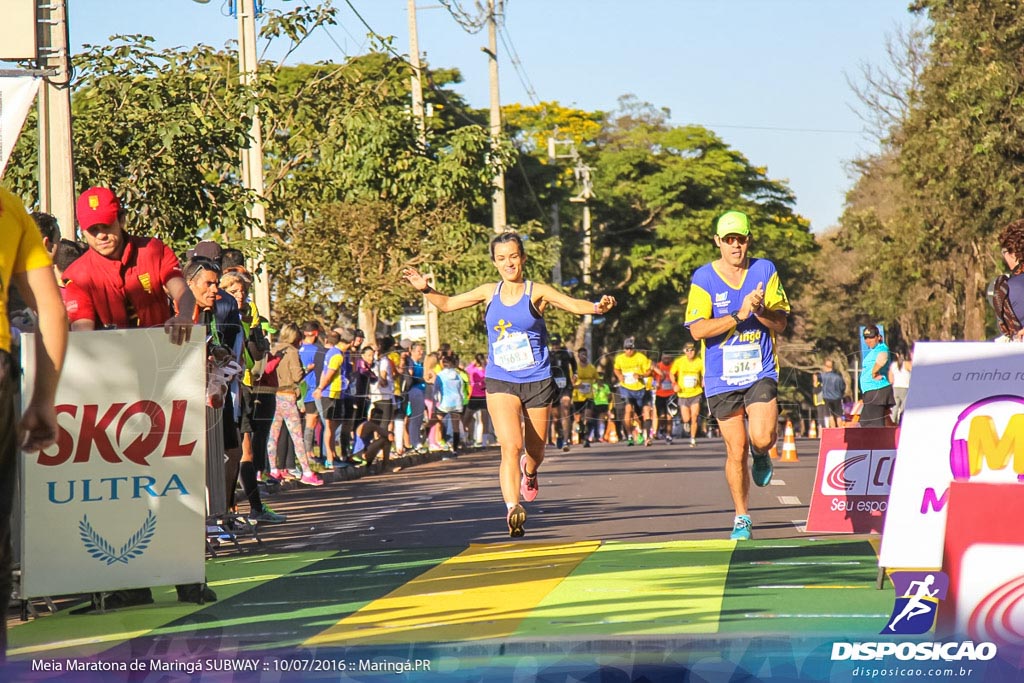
[735, 239]
[199, 264]
[870, 336]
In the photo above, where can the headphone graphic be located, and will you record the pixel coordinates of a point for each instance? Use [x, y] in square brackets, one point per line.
[959, 458]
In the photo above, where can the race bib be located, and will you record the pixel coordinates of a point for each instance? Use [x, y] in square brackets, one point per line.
[513, 352]
[689, 382]
[741, 363]
[666, 385]
[560, 382]
[583, 388]
[629, 378]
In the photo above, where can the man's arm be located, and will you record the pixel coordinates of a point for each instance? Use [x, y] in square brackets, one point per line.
[179, 327]
[38, 426]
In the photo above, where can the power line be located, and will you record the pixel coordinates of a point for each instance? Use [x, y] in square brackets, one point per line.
[517, 65]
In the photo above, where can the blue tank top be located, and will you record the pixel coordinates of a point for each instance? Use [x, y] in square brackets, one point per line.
[517, 340]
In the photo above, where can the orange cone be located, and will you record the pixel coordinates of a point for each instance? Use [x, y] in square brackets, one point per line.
[813, 433]
[789, 444]
[774, 452]
[611, 434]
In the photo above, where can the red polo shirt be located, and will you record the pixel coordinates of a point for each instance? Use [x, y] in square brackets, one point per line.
[123, 293]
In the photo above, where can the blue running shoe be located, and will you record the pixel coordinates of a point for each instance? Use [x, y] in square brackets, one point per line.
[761, 470]
[741, 528]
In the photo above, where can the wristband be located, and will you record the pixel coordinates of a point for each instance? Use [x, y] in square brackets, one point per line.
[597, 308]
[428, 290]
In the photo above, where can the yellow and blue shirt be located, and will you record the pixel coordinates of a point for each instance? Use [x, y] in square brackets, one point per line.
[21, 250]
[745, 354]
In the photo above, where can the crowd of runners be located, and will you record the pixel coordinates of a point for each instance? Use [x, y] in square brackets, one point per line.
[345, 400]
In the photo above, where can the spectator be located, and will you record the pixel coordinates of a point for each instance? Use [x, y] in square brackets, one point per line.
[833, 388]
[448, 399]
[123, 280]
[311, 354]
[331, 392]
[899, 377]
[876, 391]
[417, 396]
[25, 262]
[1008, 298]
[288, 373]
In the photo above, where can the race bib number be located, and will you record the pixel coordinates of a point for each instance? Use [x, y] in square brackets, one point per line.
[689, 382]
[741, 363]
[629, 378]
[583, 388]
[560, 382]
[514, 352]
[666, 384]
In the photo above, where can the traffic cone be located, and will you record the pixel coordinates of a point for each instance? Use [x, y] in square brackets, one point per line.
[813, 433]
[789, 444]
[611, 433]
[774, 452]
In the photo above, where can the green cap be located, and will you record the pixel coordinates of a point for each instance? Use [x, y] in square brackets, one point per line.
[733, 223]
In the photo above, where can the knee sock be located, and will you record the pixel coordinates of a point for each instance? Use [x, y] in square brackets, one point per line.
[308, 435]
[247, 473]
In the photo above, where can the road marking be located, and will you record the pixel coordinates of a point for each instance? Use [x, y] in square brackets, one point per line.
[777, 482]
[789, 500]
[801, 525]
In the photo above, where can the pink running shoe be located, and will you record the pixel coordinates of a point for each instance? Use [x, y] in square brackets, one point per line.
[529, 486]
[310, 479]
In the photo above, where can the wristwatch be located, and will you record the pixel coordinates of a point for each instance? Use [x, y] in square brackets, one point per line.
[735, 316]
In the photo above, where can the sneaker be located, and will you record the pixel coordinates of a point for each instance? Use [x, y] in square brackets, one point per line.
[693, 442]
[629, 441]
[566, 447]
[741, 528]
[559, 442]
[268, 516]
[357, 459]
[311, 480]
[282, 475]
[516, 519]
[668, 440]
[530, 485]
[586, 444]
[761, 470]
[318, 468]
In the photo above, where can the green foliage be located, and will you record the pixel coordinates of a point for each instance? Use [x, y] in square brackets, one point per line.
[163, 128]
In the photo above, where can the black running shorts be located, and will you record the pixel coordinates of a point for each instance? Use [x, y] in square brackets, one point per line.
[532, 394]
[724, 405]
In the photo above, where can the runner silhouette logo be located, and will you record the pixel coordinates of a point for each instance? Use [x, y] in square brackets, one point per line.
[917, 601]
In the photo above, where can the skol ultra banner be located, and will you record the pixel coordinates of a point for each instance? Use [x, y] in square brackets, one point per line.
[851, 487]
[119, 501]
[965, 422]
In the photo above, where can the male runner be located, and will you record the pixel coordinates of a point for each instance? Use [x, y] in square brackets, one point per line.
[631, 369]
[687, 373]
[736, 306]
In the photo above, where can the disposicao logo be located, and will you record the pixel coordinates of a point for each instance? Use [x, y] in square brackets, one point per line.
[917, 601]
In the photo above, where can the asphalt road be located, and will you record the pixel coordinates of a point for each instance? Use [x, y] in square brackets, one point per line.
[607, 492]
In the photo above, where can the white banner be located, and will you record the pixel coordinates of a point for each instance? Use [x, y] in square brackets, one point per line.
[120, 500]
[16, 97]
[965, 420]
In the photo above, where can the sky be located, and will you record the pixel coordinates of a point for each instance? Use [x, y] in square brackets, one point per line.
[768, 76]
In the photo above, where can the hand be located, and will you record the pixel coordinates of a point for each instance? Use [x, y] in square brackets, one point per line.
[318, 393]
[415, 279]
[38, 427]
[605, 303]
[179, 329]
[754, 301]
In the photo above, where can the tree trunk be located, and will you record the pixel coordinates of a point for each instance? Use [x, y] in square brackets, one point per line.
[368, 323]
[974, 296]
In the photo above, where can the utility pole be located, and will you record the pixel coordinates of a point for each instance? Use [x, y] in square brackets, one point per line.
[56, 165]
[556, 218]
[417, 82]
[582, 173]
[252, 156]
[430, 318]
[498, 218]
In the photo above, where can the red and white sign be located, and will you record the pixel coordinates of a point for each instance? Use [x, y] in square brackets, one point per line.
[984, 558]
[119, 501]
[964, 421]
[851, 487]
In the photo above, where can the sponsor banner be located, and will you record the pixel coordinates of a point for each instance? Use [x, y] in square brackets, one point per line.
[984, 557]
[964, 421]
[120, 500]
[851, 486]
[16, 97]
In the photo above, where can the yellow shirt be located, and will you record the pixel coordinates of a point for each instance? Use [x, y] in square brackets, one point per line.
[586, 375]
[688, 374]
[634, 369]
[21, 250]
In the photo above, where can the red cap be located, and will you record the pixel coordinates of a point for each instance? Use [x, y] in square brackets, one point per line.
[95, 206]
